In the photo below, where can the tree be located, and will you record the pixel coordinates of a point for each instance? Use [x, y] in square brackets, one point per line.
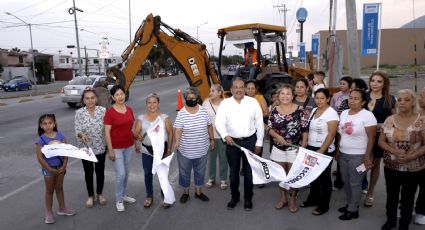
[15, 50]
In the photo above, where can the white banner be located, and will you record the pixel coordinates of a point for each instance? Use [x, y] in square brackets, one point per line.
[161, 166]
[264, 171]
[68, 150]
[305, 169]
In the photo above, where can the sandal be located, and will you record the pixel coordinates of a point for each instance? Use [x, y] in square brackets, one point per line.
[210, 183]
[281, 204]
[368, 201]
[223, 185]
[166, 205]
[293, 206]
[148, 202]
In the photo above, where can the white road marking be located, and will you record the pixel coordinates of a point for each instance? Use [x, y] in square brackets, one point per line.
[29, 184]
[148, 221]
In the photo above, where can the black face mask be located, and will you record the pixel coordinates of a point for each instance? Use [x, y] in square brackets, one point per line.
[192, 103]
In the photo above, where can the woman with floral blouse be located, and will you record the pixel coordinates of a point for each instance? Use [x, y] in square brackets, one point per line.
[288, 127]
[90, 133]
[402, 139]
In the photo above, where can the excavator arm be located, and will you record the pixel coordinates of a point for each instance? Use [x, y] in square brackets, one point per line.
[189, 53]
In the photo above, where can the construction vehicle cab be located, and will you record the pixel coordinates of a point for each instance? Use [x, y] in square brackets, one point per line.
[271, 70]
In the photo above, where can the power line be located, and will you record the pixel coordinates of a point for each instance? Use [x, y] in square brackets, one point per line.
[30, 6]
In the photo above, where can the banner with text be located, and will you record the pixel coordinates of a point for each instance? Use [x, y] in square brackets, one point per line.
[305, 169]
[264, 171]
[302, 51]
[370, 29]
[67, 150]
[315, 45]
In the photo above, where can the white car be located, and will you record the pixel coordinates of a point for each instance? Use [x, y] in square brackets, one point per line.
[71, 93]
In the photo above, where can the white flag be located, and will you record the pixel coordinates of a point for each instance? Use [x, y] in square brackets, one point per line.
[305, 169]
[68, 150]
[161, 166]
[264, 171]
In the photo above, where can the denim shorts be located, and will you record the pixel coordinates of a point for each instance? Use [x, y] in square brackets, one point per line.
[46, 172]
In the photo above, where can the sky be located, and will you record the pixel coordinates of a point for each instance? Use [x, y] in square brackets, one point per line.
[53, 27]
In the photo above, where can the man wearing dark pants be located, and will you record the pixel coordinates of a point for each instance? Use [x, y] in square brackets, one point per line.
[239, 121]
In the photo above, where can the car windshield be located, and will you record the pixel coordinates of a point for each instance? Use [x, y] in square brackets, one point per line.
[13, 81]
[82, 81]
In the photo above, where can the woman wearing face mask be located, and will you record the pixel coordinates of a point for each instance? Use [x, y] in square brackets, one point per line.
[193, 136]
[382, 105]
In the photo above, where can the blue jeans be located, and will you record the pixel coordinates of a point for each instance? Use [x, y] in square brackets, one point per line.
[185, 168]
[147, 161]
[121, 165]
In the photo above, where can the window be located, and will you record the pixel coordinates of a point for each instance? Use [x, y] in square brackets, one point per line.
[67, 60]
[21, 59]
[61, 60]
[96, 61]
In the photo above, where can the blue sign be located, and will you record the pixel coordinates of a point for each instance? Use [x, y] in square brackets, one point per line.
[370, 29]
[288, 57]
[315, 45]
[301, 15]
[302, 51]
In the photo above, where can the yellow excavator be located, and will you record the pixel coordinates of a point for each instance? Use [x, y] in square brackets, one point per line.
[192, 56]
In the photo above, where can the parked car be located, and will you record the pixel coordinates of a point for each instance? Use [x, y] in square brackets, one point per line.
[71, 93]
[17, 84]
[1, 83]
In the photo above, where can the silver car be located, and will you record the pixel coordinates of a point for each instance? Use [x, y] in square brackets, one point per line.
[71, 93]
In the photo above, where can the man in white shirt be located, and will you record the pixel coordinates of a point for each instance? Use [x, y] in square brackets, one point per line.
[239, 120]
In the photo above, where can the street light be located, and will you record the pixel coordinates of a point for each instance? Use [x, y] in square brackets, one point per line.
[197, 28]
[32, 49]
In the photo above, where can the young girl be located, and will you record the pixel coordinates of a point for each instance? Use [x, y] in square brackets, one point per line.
[53, 168]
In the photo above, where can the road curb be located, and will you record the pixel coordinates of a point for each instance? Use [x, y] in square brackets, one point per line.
[25, 100]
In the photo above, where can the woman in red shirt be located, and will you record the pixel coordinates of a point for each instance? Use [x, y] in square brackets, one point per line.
[118, 122]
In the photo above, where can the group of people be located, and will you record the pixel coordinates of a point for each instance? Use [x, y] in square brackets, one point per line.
[358, 126]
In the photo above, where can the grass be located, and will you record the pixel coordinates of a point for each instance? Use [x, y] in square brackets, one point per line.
[392, 70]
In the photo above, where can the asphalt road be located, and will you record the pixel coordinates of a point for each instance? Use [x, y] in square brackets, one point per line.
[22, 186]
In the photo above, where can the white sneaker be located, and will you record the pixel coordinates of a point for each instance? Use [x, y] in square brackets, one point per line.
[419, 219]
[128, 199]
[120, 206]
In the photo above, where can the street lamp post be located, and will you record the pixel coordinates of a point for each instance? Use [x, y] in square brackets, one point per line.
[197, 28]
[32, 49]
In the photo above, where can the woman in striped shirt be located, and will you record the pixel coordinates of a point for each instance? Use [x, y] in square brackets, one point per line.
[193, 137]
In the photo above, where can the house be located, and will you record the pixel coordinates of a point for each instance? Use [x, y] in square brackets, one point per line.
[19, 63]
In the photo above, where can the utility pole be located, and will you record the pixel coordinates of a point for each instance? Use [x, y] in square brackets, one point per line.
[73, 11]
[212, 47]
[352, 39]
[129, 16]
[32, 48]
[284, 10]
